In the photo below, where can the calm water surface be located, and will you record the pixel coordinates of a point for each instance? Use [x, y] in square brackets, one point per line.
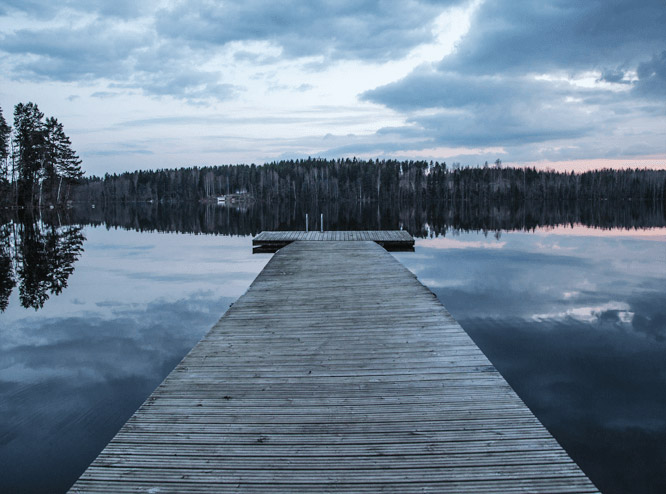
[573, 318]
[73, 372]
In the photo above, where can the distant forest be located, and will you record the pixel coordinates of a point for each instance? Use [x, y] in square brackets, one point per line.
[423, 197]
[39, 169]
[39, 246]
[352, 181]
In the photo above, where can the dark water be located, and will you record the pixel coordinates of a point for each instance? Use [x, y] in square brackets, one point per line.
[574, 318]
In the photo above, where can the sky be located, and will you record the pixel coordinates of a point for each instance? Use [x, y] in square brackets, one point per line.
[560, 84]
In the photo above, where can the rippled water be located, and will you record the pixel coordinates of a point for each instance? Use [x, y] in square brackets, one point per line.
[573, 318]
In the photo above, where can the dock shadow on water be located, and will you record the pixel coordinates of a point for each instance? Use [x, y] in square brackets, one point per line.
[567, 303]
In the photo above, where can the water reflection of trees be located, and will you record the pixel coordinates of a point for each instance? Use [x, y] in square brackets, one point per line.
[7, 281]
[415, 218]
[39, 257]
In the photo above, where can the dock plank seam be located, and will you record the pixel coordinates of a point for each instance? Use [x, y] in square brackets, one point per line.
[337, 371]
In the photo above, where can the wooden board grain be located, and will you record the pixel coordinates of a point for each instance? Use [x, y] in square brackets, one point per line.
[392, 240]
[337, 371]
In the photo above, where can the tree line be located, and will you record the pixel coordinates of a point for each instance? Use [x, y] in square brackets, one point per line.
[38, 167]
[37, 163]
[351, 181]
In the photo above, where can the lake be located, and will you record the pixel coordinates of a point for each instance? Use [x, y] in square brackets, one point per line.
[98, 310]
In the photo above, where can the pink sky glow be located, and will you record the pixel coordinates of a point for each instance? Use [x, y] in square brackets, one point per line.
[649, 162]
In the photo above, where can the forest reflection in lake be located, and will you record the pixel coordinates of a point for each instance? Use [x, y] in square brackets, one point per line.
[573, 317]
[39, 253]
[418, 220]
[37, 257]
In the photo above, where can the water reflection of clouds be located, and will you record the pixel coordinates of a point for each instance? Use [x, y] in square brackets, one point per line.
[69, 383]
[580, 368]
[494, 281]
[578, 331]
[650, 317]
[76, 347]
[529, 281]
[452, 243]
[612, 310]
[73, 372]
[553, 246]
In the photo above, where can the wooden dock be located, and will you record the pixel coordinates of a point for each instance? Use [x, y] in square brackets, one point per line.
[337, 371]
[391, 240]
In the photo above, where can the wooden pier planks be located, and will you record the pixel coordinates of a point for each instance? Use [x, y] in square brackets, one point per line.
[392, 240]
[337, 371]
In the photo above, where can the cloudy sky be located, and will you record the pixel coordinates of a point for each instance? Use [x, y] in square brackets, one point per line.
[562, 83]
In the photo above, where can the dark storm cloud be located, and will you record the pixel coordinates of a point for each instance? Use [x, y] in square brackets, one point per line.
[40, 9]
[96, 50]
[104, 50]
[349, 29]
[27, 6]
[163, 52]
[123, 9]
[487, 92]
[485, 110]
[426, 88]
[498, 126]
[189, 84]
[526, 36]
[615, 76]
[652, 76]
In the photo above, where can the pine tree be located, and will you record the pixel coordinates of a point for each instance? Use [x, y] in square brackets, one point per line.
[5, 133]
[42, 156]
[63, 163]
[30, 151]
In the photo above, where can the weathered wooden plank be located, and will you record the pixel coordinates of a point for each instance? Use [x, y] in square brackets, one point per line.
[472, 449]
[390, 239]
[113, 459]
[544, 486]
[336, 372]
[333, 476]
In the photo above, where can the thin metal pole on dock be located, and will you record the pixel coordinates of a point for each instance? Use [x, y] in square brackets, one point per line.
[322, 222]
[306, 222]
